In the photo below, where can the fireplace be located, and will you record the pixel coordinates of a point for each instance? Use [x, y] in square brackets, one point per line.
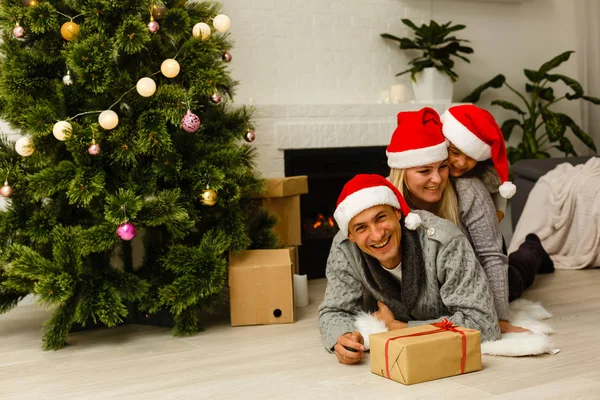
[328, 170]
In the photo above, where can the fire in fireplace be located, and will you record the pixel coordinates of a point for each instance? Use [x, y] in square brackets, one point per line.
[328, 170]
[320, 227]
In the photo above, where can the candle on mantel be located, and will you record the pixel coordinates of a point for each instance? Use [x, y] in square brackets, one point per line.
[398, 93]
[384, 97]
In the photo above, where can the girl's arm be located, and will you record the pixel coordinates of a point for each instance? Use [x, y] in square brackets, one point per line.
[478, 216]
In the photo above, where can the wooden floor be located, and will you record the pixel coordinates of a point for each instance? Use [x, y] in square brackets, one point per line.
[288, 361]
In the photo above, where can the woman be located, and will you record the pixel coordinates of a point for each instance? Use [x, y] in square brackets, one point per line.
[417, 156]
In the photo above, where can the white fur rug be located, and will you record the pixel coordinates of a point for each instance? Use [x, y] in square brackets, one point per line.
[529, 315]
[523, 313]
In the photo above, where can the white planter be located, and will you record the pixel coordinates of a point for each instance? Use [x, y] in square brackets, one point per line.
[433, 86]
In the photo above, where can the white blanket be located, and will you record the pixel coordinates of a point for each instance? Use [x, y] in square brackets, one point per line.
[563, 209]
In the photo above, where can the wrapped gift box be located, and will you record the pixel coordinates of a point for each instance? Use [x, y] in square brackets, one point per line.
[424, 353]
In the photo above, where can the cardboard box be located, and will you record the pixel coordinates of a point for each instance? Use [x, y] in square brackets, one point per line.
[285, 187]
[260, 287]
[434, 354]
[282, 197]
[294, 257]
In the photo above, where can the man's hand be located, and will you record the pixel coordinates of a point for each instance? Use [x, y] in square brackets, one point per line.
[506, 327]
[384, 313]
[349, 348]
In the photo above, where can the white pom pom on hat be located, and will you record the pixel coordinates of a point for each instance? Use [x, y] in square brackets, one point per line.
[412, 221]
[366, 325]
[507, 189]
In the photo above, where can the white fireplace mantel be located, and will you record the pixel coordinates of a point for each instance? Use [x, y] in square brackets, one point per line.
[307, 126]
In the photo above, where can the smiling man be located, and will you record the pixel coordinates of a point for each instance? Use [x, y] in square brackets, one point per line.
[421, 266]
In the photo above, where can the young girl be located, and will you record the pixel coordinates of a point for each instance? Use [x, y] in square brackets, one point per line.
[477, 148]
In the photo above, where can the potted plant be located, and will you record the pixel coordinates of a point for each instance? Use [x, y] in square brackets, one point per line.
[432, 70]
[542, 127]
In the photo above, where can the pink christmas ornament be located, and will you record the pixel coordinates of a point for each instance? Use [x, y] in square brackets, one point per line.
[227, 56]
[190, 122]
[94, 148]
[6, 190]
[18, 31]
[126, 231]
[216, 98]
[250, 136]
[153, 26]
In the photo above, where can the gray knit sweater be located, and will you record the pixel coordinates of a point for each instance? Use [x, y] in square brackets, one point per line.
[441, 278]
[488, 175]
[480, 225]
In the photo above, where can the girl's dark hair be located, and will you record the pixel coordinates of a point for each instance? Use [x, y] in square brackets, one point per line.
[481, 167]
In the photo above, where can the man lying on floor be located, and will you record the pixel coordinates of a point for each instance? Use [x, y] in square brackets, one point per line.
[421, 266]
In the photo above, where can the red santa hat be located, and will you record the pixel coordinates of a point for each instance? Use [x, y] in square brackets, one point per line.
[474, 131]
[417, 140]
[365, 191]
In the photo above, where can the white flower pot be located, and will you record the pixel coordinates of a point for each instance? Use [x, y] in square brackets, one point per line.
[433, 86]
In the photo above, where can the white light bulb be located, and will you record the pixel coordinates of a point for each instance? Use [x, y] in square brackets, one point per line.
[24, 146]
[222, 23]
[146, 87]
[108, 119]
[62, 130]
[169, 68]
[201, 30]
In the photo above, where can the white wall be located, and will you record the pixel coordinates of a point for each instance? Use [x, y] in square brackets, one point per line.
[297, 52]
[330, 51]
[315, 51]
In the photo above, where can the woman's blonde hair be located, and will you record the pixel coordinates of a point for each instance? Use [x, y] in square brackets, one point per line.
[447, 207]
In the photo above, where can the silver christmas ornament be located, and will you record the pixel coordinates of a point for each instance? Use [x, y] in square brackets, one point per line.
[67, 80]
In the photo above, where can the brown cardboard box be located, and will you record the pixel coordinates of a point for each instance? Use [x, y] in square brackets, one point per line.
[282, 197]
[294, 257]
[260, 287]
[284, 187]
[424, 358]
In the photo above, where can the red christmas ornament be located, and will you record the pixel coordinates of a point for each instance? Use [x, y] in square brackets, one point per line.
[190, 122]
[227, 56]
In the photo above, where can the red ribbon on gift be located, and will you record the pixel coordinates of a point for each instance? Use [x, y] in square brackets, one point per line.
[444, 325]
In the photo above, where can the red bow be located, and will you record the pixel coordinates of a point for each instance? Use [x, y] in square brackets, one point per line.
[443, 325]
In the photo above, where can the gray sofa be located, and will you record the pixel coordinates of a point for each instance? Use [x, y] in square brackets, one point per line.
[525, 175]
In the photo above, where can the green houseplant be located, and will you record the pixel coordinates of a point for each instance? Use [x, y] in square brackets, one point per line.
[435, 45]
[542, 127]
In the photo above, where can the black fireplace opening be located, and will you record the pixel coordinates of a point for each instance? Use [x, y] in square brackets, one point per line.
[327, 170]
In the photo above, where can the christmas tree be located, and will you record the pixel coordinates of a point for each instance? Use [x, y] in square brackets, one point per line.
[127, 127]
